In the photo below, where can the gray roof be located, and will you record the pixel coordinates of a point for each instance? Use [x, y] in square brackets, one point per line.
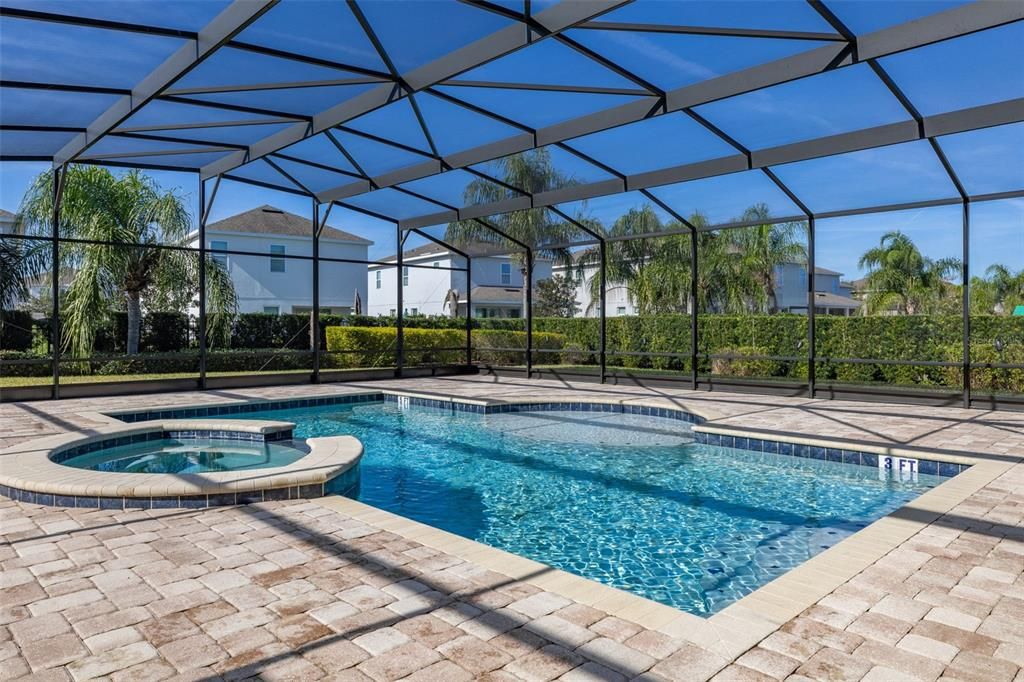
[474, 249]
[829, 300]
[825, 271]
[272, 220]
[493, 294]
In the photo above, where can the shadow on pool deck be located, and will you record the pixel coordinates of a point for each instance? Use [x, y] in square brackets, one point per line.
[343, 550]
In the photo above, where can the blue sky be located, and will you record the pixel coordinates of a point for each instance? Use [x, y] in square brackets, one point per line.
[946, 76]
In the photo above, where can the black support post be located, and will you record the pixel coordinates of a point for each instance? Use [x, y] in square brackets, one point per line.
[811, 350]
[603, 308]
[529, 313]
[399, 314]
[59, 178]
[967, 301]
[693, 308]
[314, 324]
[201, 321]
[469, 310]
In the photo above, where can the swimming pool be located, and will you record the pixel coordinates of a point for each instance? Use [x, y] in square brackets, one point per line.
[627, 500]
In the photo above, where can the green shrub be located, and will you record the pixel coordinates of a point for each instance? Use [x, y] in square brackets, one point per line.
[377, 346]
[41, 368]
[746, 364]
[16, 330]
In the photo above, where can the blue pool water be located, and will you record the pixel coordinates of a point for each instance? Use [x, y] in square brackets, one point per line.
[171, 456]
[626, 500]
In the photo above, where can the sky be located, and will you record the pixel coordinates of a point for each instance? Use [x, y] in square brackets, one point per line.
[943, 77]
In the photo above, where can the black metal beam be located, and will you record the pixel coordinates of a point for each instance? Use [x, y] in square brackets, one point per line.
[942, 124]
[227, 24]
[942, 26]
[633, 27]
[286, 85]
[498, 44]
[544, 87]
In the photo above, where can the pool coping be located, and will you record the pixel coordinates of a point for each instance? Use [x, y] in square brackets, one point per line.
[738, 626]
[33, 472]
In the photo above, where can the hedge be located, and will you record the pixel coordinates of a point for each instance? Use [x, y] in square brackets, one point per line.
[377, 345]
[178, 362]
[921, 338]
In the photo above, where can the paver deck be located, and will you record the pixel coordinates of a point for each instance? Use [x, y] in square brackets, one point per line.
[326, 589]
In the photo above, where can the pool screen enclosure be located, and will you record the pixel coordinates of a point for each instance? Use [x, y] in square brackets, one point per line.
[413, 114]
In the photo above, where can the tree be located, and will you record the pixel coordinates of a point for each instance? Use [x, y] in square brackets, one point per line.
[900, 277]
[761, 249]
[1007, 287]
[21, 262]
[626, 259]
[556, 297]
[531, 172]
[120, 219]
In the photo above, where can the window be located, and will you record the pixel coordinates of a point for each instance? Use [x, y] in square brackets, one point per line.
[415, 311]
[506, 273]
[437, 264]
[271, 310]
[835, 285]
[803, 278]
[276, 264]
[378, 279]
[405, 276]
[219, 258]
[392, 312]
[513, 312]
[621, 310]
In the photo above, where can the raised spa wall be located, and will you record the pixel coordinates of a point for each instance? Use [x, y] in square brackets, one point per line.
[33, 472]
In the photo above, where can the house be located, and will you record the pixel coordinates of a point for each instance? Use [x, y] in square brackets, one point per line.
[428, 277]
[8, 223]
[833, 296]
[268, 281]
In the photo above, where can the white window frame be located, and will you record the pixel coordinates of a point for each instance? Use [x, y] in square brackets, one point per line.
[277, 264]
[378, 279]
[506, 273]
[222, 258]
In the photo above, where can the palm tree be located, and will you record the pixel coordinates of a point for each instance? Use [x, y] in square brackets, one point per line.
[532, 172]
[901, 277]
[1006, 285]
[21, 262]
[120, 219]
[761, 249]
[626, 259]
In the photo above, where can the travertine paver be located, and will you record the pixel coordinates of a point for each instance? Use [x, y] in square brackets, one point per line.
[295, 590]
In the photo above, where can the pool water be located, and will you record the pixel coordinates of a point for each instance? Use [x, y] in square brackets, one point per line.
[172, 456]
[627, 500]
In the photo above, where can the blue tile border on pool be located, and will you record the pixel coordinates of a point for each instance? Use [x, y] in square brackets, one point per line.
[842, 455]
[243, 408]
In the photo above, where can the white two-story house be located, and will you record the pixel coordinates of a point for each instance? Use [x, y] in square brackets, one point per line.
[429, 282]
[270, 282]
[832, 295]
